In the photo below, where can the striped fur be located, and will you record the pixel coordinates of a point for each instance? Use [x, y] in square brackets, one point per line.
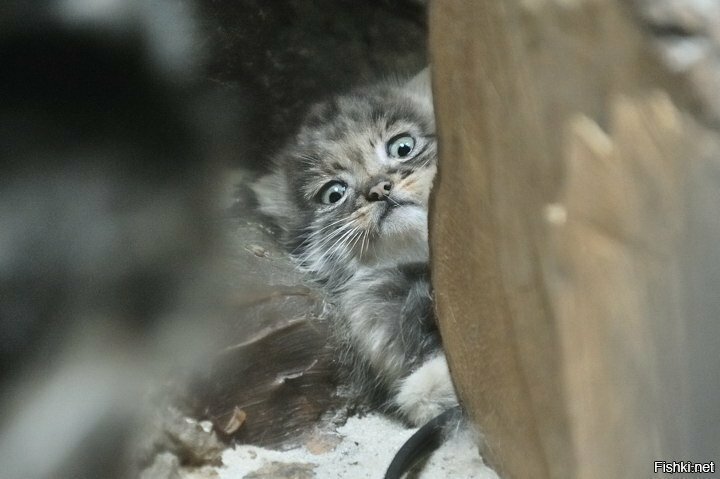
[371, 255]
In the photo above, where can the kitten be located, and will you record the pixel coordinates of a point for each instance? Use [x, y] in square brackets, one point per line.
[350, 195]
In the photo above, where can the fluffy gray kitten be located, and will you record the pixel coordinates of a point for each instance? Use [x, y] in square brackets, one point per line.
[350, 195]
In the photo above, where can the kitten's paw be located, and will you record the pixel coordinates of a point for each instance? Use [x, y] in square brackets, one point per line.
[426, 392]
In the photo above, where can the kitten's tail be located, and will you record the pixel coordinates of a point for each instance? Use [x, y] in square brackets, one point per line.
[421, 444]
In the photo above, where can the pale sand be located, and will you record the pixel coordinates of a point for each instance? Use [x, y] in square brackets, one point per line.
[362, 448]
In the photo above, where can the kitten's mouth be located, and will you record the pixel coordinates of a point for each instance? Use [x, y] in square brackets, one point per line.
[392, 204]
[400, 234]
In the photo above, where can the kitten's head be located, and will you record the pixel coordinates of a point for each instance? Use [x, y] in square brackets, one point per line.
[353, 186]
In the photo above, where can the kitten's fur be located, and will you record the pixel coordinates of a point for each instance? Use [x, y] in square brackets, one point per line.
[369, 248]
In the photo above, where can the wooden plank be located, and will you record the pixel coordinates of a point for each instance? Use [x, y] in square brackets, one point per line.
[562, 237]
[479, 89]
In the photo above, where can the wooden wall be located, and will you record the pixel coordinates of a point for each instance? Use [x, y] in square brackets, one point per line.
[574, 237]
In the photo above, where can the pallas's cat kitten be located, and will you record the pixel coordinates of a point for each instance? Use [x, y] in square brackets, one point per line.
[350, 195]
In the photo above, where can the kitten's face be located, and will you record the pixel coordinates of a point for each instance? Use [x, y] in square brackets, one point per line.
[354, 186]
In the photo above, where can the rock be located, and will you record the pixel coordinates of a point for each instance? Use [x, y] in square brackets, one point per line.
[282, 470]
[165, 466]
[280, 57]
[274, 367]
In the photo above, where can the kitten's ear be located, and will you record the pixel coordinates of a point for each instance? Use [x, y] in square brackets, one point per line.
[420, 84]
[273, 197]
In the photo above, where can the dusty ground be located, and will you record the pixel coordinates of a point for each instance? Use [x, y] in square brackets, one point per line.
[362, 448]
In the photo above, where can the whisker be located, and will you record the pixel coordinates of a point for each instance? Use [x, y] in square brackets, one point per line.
[334, 234]
[311, 226]
[307, 239]
[324, 256]
[395, 202]
[358, 237]
[362, 243]
[426, 162]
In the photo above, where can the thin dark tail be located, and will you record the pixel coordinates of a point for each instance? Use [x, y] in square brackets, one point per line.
[426, 440]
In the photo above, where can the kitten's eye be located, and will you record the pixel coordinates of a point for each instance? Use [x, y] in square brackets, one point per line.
[401, 146]
[332, 192]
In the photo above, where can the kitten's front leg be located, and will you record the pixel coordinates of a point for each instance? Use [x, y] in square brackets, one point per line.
[426, 392]
[387, 320]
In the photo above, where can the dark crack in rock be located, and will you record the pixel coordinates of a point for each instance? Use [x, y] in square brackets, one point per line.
[283, 56]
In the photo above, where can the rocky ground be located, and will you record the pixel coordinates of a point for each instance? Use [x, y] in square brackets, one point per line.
[361, 448]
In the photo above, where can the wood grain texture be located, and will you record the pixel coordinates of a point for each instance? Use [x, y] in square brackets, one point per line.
[480, 84]
[564, 237]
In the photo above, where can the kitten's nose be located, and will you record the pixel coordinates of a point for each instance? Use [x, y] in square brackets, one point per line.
[379, 191]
